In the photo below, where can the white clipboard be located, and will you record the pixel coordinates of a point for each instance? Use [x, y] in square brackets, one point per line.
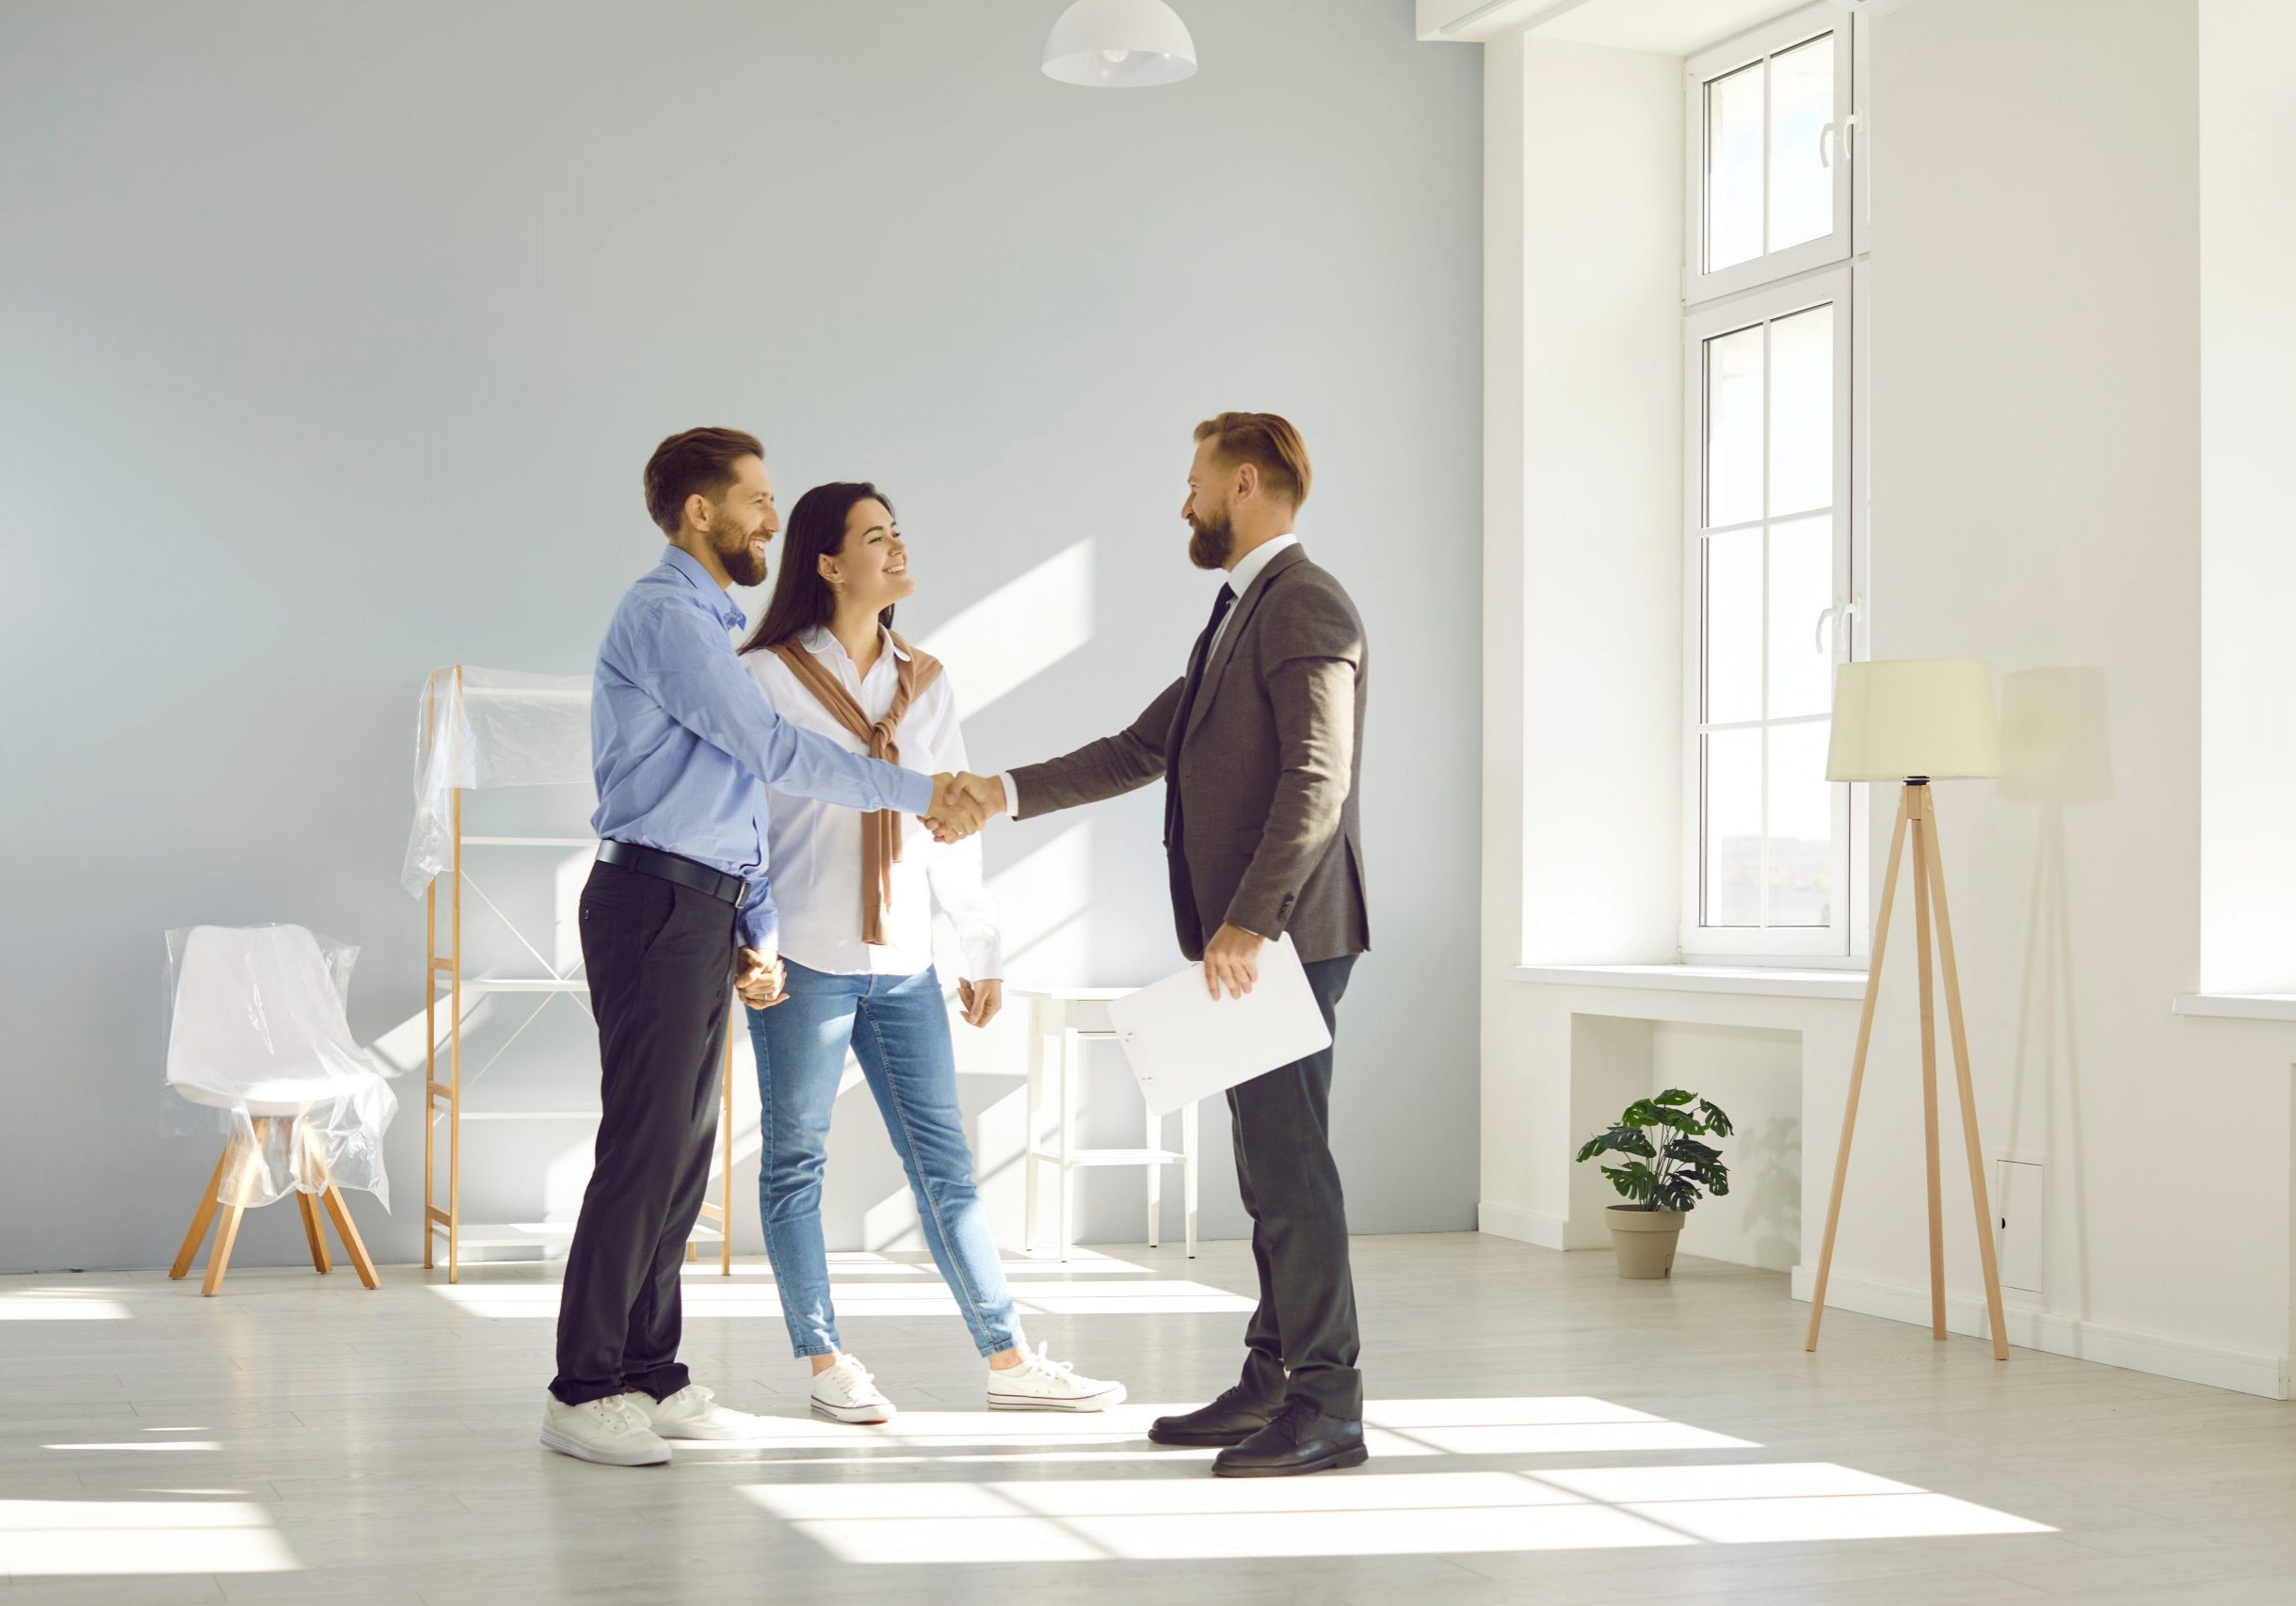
[1184, 1045]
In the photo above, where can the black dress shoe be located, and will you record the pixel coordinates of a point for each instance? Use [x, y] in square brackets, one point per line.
[1301, 1440]
[1231, 1419]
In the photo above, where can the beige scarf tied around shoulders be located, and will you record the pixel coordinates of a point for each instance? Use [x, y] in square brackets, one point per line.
[881, 830]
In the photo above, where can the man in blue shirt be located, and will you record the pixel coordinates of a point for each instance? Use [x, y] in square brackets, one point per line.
[678, 908]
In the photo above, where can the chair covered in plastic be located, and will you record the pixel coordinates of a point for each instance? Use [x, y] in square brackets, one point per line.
[257, 1033]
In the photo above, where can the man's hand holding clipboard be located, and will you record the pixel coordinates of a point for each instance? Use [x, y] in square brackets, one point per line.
[1186, 1038]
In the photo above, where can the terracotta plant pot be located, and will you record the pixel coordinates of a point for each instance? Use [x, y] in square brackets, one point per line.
[1645, 1239]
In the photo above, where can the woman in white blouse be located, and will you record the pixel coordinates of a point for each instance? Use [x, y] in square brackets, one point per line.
[853, 893]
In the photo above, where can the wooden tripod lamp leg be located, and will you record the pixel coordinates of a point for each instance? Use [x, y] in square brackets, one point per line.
[1857, 1073]
[204, 1216]
[1986, 1253]
[1916, 799]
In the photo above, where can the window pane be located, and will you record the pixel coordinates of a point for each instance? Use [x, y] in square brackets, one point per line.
[1732, 850]
[1800, 104]
[1801, 827]
[1801, 588]
[1801, 412]
[1734, 427]
[1734, 627]
[1734, 167]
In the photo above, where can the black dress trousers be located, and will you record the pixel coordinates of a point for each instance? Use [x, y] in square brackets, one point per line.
[660, 957]
[1303, 1342]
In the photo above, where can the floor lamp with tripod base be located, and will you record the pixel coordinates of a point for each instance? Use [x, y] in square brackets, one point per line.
[1916, 721]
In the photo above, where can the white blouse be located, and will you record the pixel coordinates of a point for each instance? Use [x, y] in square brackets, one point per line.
[815, 848]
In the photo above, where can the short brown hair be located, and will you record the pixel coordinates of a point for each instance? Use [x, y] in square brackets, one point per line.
[693, 462]
[1269, 443]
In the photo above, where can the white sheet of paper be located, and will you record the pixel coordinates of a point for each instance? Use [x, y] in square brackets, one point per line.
[1184, 1045]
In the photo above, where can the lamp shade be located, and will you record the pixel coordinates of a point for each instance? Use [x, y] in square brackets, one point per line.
[1914, 716]
[1119, 44]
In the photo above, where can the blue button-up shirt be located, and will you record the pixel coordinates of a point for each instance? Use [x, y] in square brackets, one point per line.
[683, 744]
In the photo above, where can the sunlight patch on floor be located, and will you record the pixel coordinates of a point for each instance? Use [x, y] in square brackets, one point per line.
[58, 1305]
[873, 1292]
[1176, 1513]
[83, 1537]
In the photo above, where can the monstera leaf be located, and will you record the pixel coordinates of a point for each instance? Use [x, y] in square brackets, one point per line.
[1634, 1179]
[1677, 1168]
[1619, 1140]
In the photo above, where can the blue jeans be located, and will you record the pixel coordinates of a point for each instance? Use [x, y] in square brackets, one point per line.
[899, 1029]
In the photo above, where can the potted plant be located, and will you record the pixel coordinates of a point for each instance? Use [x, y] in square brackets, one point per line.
[1666, 1168]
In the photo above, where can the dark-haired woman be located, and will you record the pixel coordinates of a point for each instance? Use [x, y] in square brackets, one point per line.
[854, 894]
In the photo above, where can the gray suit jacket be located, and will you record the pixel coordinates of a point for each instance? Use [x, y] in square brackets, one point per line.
[1267, 768]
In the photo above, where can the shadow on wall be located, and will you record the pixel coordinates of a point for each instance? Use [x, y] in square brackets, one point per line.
[1766, 1181]
[2056, 754]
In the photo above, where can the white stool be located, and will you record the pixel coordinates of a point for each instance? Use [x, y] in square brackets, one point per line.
[1060, 1022]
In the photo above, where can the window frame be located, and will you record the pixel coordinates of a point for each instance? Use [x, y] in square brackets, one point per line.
[1758, 44]
[1839, 941]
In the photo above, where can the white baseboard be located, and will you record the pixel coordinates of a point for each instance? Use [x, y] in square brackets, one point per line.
[1524, 1226]
[2250, 1372]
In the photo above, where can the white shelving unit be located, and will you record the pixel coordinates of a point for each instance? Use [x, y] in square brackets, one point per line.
[444, 1096]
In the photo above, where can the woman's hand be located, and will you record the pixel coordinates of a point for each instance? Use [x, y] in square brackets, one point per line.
[759, 979]
[982, 999]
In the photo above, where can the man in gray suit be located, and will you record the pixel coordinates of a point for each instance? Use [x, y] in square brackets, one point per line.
[1260, 745]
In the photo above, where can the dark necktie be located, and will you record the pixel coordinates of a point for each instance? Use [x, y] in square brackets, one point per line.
[1202, 655]
[1197, 662]
[1183, 897]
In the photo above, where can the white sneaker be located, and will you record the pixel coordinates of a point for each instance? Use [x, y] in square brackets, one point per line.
[693, 1412]
[847, 1393]
[608, 1431]
[1039, 1382]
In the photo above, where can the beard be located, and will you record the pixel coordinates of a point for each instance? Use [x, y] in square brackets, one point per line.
[1209, 541]
[744, 564]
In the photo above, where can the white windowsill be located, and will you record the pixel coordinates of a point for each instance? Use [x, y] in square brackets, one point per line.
[1758, 979]
[2238, 1005]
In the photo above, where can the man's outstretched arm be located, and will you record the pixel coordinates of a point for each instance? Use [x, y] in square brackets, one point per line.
[1097, 770]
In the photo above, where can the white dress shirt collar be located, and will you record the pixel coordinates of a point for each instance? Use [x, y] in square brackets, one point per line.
[1248, 567]
[822, 643]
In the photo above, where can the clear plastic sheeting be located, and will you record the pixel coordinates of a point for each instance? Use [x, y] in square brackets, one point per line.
[488, 728]
[259, 1050]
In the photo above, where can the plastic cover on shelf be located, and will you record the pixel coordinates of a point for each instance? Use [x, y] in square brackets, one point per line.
[488, 728]
[258, 1047]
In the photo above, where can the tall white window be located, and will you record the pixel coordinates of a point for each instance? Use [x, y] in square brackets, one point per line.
[1773, 490]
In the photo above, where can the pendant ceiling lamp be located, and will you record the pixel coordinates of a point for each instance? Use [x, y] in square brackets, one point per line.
[1119, 44]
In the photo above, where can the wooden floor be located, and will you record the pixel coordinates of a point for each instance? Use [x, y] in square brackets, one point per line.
[1540, 1431]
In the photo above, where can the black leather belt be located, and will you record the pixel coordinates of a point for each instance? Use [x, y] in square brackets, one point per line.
[670, 867]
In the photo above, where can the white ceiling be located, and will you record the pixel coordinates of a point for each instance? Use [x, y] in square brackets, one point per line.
[1670, 27]
[1667, 27]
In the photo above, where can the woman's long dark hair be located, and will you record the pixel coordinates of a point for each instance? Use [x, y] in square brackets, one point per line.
[816, 529]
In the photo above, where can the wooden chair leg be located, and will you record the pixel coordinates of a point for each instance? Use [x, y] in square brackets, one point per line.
[313, 1233]
[242, 1186]
[219, 1258]
[202, 1218]
[349, 1235]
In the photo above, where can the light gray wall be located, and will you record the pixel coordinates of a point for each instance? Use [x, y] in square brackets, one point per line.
[333, 338]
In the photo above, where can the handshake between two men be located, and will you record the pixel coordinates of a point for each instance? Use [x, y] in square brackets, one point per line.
[962, 804]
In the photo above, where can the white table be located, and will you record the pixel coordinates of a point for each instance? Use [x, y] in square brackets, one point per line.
[1060, 1022]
